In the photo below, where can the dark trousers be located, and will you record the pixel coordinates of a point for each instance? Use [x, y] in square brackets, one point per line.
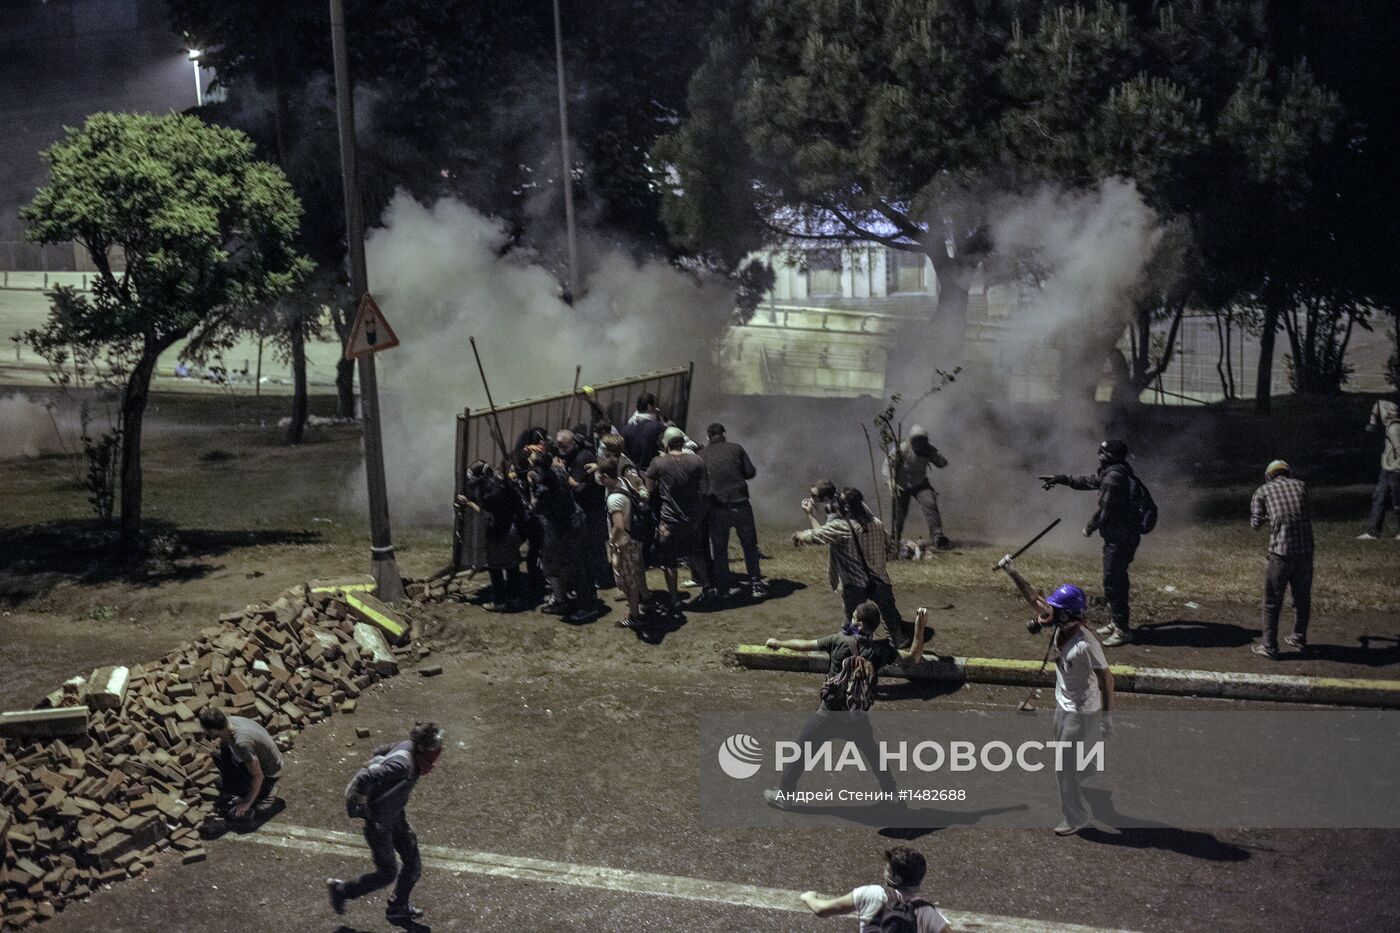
[595, 548]
[235, 779]
[386, 840]
[853, 596]
[928, 502]
[505, 584]
[1287, 573]
[740, 518]
[827, 726]
[1385, 498]
[1118, 553]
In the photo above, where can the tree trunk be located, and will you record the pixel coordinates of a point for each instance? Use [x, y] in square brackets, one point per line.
[138, 389]
[296, 429]
[1264, 376]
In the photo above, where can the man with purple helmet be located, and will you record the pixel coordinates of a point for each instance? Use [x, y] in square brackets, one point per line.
[1083, 683]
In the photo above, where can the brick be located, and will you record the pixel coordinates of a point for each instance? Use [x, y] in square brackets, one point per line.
[348, 706]
[145, 831]
[430, 671]
[361, 732]
[194, 855]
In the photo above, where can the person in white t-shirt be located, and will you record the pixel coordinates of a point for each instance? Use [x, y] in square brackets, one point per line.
[893, 904]
[1083, 685]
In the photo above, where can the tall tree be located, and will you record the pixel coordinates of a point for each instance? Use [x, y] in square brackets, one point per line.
[205, 230]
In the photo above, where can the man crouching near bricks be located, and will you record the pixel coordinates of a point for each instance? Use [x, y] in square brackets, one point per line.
[248, 762]
[1083, 683]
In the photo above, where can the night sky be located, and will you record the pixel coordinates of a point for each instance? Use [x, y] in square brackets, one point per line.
[64, 59]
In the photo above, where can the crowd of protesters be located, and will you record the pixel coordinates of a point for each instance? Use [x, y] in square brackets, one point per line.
[590, 509]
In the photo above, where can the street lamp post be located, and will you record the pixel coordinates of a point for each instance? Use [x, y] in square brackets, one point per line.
[388, 583]
[195, 55]
[571, 237]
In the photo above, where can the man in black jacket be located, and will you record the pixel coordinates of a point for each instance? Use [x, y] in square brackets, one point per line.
[379, 792]
[730, 470]
[1118, 522]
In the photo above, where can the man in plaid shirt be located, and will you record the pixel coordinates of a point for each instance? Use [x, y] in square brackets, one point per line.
[1282, 502]
[857, 543]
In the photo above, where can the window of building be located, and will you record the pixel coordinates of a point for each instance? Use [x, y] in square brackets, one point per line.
[906, 271]
[823, 271]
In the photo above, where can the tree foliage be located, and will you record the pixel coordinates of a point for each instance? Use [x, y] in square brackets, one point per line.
[203, 230]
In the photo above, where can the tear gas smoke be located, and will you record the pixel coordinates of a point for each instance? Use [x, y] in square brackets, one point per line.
[27, 429]
[443, 274]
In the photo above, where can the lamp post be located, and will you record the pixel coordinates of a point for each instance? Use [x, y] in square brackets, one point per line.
[388, 583]
[195, 55]
[570, 236]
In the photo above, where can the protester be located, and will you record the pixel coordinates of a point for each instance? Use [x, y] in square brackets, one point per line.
[378, 794]
[857, 546]
[1083, 685]
[1282, 503]
[562, 557]
[848, 690]
[730, 470]
[894, 904]
[906, 470]
[613, 445]
[1120, 519]
[248, 762]
[642, 433]
[678, 485]
[629, 525]
[503, 514]
[1385, 418]
[577, 462]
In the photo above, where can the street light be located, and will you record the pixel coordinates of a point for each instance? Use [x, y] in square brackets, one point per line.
[195, 55]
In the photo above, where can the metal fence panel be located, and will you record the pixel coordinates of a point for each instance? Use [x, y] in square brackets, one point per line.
[477, 434]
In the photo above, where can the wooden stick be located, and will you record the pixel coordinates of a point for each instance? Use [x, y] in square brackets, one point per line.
[496, 419]
[874, 473]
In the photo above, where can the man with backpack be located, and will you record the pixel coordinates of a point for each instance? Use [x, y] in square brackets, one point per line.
[856, 657]
[631, 529]
[1125, 513]
[378, 794]
[893, 906]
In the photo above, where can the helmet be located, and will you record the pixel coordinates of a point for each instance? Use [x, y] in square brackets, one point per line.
[918, 430]
[1275, 468]
[1115, 450]
[1068, 598]
[671, 434]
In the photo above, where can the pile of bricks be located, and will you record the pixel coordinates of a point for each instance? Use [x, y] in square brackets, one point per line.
[449, 587]
[114, 767]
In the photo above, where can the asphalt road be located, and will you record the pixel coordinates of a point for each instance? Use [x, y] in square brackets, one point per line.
[595, 766]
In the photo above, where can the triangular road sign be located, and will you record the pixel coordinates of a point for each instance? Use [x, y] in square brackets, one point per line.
[370, 333]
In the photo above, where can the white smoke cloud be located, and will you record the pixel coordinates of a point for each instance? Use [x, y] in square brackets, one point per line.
[442, 274]
[27, 429]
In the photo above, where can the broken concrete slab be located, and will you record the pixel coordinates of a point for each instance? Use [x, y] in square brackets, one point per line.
[106, 687]
[367, 608]
[375, 649]
[44, 723]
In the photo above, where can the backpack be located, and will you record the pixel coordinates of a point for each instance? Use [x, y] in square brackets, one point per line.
[852, 686]
[353, 808]
[641, 525]
[899, 915]
[1143, 505]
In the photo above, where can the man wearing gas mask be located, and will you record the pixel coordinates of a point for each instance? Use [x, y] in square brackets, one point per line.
[378, 794]
[1083, 684]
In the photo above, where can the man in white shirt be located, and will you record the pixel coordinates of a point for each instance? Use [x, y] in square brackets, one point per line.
[894, 904]
[1083, 686]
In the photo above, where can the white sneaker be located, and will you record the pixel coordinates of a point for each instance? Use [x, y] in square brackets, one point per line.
[1367, 536]
[1104, 630]
[1119, 636]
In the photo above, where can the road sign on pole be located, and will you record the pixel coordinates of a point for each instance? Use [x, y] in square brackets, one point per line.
[370, 333]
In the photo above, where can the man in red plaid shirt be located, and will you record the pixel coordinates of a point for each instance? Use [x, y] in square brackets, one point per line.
[1282, 502]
